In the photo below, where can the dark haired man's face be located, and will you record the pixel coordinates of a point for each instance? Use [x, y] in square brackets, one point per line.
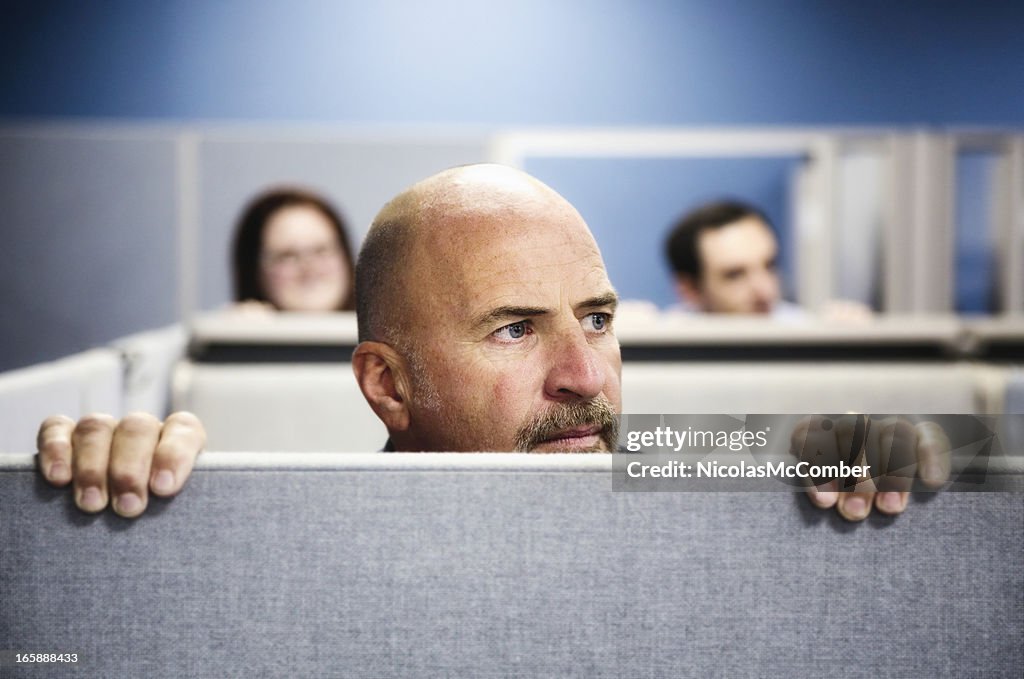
[739, 274]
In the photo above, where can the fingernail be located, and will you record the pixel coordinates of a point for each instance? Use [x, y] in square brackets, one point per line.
[824, 495]
[128, 503]
[163, 482]
[856, 507]
[90, 499]
[59, 472]
[891, 502]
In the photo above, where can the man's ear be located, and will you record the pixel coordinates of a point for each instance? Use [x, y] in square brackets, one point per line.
[689, 291]
[381, 375]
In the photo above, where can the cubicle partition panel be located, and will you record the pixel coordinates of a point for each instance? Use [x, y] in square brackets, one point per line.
[90, 382]
[298, 407]
[149, 359]
[501, 565]
[120, 227]
[284, 382]
[740, 387]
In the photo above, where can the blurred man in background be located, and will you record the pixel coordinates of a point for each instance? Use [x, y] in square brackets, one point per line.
[724, 257]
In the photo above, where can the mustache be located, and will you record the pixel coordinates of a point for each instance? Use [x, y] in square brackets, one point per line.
[548, 424]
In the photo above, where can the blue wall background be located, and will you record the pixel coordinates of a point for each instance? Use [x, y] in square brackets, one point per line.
[476, 65]
[578, 62]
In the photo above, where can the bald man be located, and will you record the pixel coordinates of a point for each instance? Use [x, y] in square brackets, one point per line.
[485, 324]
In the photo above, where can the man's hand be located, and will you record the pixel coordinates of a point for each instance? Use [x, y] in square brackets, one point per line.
[120, 462]
[894, 450]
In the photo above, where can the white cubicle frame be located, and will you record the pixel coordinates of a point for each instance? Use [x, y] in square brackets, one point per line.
[917, 210]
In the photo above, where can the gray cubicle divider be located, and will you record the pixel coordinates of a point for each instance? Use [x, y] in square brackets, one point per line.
[74, 386]
[292, 407]
[149, 359]
[501, 565]
[752, 387]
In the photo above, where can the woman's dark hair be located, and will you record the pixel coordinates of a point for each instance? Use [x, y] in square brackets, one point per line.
[248, 242]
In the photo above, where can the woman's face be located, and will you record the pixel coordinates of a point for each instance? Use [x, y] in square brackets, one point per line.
[302, 265]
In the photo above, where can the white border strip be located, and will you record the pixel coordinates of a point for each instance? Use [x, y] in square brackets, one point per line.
[485, 462]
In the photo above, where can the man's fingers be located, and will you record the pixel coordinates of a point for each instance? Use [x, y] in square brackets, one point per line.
[894, 464]
[855, 506]
[814, 441]
[54, 446]
[823, 496]
[934, 454]
[91, 441]
[131, 455]
[181, 440]
[891, 502]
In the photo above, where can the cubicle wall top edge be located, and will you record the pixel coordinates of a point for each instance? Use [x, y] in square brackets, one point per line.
[375, 461]
[456, 462]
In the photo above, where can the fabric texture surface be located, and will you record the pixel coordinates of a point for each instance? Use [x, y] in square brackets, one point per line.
[497, 574]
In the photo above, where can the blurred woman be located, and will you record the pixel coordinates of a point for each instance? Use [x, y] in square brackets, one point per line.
[291, 251]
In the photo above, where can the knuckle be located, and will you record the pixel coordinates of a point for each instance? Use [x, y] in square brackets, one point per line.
[932, 450]
[185, 419]
[90, 476]
[171, 454]
[55, 421]
[95, 423]
[125, 478]
[846, 426]
[138, 424]
[186, 423]
[903, 429]
[55, 448]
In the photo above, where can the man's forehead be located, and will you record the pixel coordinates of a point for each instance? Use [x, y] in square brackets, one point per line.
[480, 261]
[737, 241]
[523, 250]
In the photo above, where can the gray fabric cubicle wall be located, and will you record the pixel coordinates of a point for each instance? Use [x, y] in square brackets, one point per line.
[495, 566]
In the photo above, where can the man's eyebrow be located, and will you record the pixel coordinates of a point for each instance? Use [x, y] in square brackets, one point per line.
[507, 313]
[512, 312]
[608, 299]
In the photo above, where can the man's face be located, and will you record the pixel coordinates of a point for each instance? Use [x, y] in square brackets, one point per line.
[511, 330]
[738, 268]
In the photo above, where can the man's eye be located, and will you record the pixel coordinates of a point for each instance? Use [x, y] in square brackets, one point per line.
[512, 331]
[598, 322]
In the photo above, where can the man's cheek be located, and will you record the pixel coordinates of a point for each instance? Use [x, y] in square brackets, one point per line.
[505, 390]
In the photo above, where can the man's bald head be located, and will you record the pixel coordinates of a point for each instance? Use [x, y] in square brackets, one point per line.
[468, 193]
[485, 318]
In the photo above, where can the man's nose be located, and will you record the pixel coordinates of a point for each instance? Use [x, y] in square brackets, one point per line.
[766, 286]
[576, 370]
